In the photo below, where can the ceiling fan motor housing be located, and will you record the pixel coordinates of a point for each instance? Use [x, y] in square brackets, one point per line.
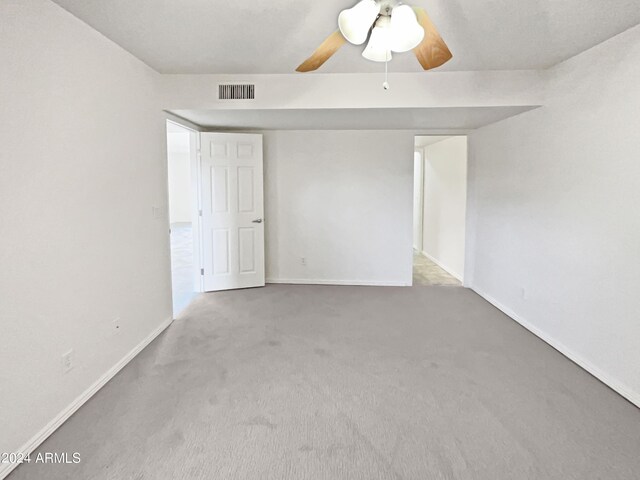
[386, 6]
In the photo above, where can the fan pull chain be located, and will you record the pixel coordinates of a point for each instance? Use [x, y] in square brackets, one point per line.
[385, 85]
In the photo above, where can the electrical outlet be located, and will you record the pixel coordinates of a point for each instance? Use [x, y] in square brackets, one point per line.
[116, 327]
[303, 261]
[68, 361]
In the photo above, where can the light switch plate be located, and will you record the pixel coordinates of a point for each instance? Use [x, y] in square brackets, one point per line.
[68, 361]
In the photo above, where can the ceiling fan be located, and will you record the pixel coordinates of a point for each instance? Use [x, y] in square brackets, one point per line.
[390, 27]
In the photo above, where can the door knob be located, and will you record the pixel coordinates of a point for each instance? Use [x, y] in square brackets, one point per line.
[257, 220]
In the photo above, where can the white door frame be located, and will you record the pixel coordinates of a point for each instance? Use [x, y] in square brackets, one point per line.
[196, 205]
[194, 193]
[195, 159]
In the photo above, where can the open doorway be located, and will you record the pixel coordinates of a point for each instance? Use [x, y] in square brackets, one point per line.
[181, 150]
[439, 210]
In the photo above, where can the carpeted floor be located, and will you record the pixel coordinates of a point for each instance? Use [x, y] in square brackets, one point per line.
[320, 382]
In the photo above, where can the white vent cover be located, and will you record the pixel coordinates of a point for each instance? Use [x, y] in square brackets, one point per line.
[236, 91]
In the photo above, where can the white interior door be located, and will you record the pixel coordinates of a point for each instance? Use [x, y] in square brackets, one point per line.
[232, 211]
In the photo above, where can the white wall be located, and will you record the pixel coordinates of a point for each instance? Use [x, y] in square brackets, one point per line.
[343, 201]
[445, 203]
[82, 164]
[553, 223]
[438, 89]
[179, 176]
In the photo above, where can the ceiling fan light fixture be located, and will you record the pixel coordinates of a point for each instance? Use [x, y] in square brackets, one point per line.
[378, 49]
[355, 22]
[405, 31]
[407, 28]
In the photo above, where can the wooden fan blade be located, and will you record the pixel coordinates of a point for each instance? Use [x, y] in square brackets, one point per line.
[432, 51]
[327, 48]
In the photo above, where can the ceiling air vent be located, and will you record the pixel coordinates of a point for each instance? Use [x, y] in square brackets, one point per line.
[236, 92]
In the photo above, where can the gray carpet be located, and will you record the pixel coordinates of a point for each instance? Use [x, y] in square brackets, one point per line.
[311, 382]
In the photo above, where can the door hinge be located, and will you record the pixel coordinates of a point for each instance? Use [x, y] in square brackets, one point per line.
[202, 271]
[200, 212]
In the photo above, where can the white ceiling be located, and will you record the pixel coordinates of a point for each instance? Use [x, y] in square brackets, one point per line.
[274, 36]
[467, 118]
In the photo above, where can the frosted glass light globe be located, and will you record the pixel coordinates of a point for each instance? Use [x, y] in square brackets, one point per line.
[378, 49]
[355, 22]
[406, 32]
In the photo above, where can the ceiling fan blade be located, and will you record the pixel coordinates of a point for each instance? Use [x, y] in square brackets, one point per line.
[432, 51]
[327, 48]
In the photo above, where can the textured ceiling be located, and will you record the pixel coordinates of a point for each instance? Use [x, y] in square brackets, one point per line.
[259, 36]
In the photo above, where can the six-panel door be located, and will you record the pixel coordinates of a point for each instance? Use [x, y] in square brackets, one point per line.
[232, 211]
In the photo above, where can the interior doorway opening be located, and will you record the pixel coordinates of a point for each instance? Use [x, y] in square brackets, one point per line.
[439, 210]
[181, 155]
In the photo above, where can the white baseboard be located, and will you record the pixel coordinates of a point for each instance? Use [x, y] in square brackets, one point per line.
[613, 383]
[442, 266]
[315, 281]
[53, 425]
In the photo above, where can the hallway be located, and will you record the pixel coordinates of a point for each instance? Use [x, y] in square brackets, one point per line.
[181, 266]
[427, 273]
